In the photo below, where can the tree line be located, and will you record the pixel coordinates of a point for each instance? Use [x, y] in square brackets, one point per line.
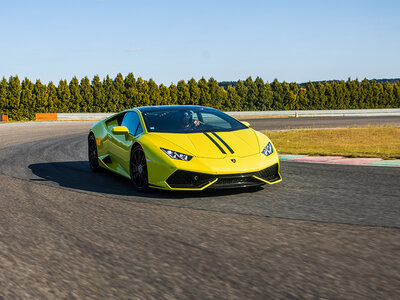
[21, 100]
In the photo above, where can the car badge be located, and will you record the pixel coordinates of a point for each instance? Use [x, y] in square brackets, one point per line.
[233, 160]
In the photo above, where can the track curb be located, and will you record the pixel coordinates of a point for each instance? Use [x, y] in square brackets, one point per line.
[340, 160]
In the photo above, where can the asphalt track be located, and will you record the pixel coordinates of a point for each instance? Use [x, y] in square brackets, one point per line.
[326, 231]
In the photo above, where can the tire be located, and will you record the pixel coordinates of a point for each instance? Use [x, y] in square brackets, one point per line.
[92, 154]
[138, 169]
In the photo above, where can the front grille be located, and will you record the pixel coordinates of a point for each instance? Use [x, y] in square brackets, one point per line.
[236, 180]
[187, 179]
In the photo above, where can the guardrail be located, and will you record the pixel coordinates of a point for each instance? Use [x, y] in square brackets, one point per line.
[320, 113]
[249, 114]
[82, 116]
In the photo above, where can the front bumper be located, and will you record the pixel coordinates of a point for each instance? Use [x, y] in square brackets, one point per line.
[187, 180]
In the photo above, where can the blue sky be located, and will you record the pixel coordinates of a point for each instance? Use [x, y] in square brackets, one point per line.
[173, 40]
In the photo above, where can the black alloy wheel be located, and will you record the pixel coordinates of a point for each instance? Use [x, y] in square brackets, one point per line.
[138, 167]
[93, 156]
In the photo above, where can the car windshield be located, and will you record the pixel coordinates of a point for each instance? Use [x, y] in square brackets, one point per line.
[181, 120]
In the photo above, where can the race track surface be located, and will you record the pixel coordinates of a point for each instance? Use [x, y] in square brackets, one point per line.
[326, 231]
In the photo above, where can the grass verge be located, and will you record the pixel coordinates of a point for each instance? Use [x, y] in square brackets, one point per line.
[370, 141]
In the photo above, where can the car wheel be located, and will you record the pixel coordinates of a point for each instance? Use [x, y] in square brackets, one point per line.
[93, 156]
[138, 168]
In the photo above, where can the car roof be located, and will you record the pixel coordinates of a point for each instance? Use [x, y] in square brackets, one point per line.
[170, 107]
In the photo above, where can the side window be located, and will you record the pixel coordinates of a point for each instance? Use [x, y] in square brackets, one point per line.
[215, 121]
[195, 116]
[131, 121]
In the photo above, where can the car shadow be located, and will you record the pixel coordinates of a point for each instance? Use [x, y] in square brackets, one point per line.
[78, 175]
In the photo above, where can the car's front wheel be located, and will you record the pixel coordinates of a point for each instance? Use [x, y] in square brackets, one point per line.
[138, 168]
[93, 156]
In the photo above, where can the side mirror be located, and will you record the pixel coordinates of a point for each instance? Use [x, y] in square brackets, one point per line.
[247, 124]
[120, 130]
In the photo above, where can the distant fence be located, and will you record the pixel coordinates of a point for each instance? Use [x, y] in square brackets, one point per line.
[320, 113]
[259, 114]
[82, 116]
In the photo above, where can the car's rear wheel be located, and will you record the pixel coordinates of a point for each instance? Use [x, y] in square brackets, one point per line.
[138, 168]
[93, 156]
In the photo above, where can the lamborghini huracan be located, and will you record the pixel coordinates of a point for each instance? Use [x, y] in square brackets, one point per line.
[182, 147]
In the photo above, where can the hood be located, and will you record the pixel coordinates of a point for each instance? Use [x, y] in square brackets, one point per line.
[239, 143]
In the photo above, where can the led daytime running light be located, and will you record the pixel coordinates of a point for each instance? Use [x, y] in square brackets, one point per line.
[177, 155]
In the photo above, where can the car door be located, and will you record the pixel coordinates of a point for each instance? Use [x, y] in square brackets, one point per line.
[122, 143]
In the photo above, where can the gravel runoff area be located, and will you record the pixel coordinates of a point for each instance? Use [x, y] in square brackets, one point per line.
[68, 242]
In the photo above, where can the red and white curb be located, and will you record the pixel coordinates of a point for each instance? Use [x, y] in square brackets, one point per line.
[340, 160]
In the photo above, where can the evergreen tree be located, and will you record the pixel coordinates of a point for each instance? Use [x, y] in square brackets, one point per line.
[3, 96]
[379, 95]
[130, 91]
[352, 87]
[242, 91]
[321, 90]
[205, 97]
[40, 96]
[396, 93]
[225, 103]
[64, 96]
[165, 95]
[76, 97]
[345, 95]
[109, 91]
[86, 91]
[327, 96]
[143, 97]
[14, 98]
[342, 95]
[388, 94]
[365, 94]
[292, 102]
[303, 99]
[27, 105]
[278, 102]
[252, 94]
[154, 93]
[194, 92]
[286, 95]
[183, 93]
[312, 95]
[234, 99]
[173, 91]
[119, 93]
[264, 99]
[53, 101]
[99, 96]
[215, 93]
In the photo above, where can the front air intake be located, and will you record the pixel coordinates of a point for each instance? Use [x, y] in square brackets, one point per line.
[187, 179]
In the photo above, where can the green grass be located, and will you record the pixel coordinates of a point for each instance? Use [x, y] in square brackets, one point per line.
[370, 141]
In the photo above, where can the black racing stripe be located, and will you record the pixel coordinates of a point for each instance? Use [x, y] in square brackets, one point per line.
[216, 144]
[223, 142]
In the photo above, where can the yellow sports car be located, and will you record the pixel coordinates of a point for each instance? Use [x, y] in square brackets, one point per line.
[182, 147]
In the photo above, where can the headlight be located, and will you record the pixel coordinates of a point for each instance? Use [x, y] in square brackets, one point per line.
[268, 150]
[177, 155]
